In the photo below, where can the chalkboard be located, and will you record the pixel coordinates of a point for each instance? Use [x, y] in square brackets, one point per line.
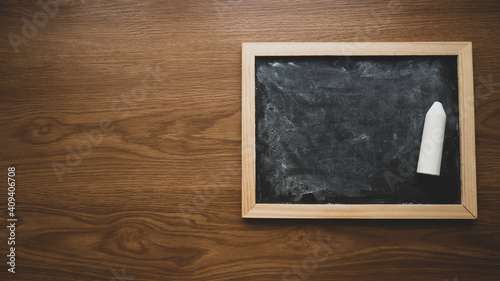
[347, 130]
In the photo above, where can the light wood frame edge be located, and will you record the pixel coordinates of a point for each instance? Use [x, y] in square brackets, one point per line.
[467, 129]
[248, 129]
[468, 207]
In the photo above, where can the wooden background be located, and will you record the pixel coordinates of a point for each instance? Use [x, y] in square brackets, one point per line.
[155, 193]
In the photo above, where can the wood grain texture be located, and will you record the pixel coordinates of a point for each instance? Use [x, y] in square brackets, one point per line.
[159, 195]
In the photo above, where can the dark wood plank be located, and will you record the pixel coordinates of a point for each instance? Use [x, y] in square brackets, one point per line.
[158, 196]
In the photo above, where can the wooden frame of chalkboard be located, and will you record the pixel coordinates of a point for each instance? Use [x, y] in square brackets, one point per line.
[465, 209]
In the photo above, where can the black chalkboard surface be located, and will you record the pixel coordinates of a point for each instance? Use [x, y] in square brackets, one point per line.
[347, 130]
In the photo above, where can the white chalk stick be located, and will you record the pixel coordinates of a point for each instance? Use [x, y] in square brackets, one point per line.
[431, 147]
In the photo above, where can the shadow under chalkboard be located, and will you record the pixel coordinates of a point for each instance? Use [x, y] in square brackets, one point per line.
[347, 130]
